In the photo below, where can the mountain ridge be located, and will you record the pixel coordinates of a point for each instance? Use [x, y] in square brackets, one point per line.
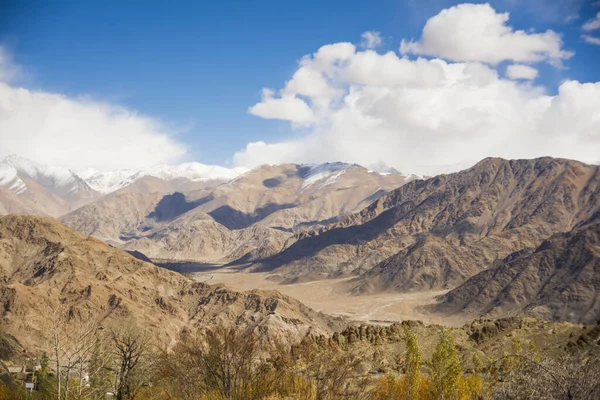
[492, 209]
[247, 218]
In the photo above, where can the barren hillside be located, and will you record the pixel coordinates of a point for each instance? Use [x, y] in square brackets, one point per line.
[436, 233]
[43, 262]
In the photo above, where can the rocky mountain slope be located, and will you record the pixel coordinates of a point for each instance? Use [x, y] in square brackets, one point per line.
[30, 187]
[436, 233]
[560, 279]
[247, 218]
[43, 262]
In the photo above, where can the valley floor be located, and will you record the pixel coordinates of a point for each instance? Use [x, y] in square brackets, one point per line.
[329, 296]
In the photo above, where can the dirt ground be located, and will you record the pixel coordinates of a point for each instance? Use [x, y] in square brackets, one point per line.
[331, 296]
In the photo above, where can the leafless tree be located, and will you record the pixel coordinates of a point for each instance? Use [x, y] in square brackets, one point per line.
[129, 348]
[73, 339]
[334, 373]
[571, 377]
[222, 362]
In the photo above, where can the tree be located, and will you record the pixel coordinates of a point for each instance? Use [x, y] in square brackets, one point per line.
[99, 368]
[73, 338]
[220, 363]
[44, 383]
[413, 362]
[129, 347]
[444, 369]
[334, 373]
[572, 376]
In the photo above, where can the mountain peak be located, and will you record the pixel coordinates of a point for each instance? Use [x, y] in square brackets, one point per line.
[382, 168]
[50, 190]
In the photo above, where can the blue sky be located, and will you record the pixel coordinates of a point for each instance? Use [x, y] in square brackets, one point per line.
[198, 66]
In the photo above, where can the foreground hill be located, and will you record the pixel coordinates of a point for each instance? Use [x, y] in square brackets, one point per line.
[436, 233]
[560, 279]
[248, 218]
[43, 262]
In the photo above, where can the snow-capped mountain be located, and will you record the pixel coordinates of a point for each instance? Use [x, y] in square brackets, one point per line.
[31, 187]
[110, 181]
[15, 172]
[27, 186]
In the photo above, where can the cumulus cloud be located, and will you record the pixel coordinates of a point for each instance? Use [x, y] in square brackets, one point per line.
[476, 32]
[429, 115]
[78, 132]
[286, 107]
[592, 24]
[519, 71]
[371, 39]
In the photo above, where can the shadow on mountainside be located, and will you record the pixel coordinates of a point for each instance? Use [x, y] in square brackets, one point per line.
[353, 235]
[173, 205]
[235, 219]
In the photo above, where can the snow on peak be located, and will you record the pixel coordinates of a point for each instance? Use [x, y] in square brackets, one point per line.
[107, 181]
[193, 171]
[327, 173]
[110, 181]
[9, 178]
[52, 177]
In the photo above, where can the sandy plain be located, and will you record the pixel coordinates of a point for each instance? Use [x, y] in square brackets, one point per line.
[331, 296]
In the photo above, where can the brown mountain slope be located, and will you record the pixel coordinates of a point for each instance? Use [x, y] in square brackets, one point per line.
[42, 261]
[558, 280]
[444, 229]
[113, 217]
[250, 217]
[11, 203]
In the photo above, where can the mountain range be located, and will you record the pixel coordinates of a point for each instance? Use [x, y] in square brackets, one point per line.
[29, 187]
[437, 233]
[248, 218]
[506, 237]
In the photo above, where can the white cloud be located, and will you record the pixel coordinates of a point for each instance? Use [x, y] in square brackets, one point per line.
[476, 32]
[519, 71]
[592, 24]
[287, 107]
[78, 132]
[591, 39]
[371, 39]
[429, 116]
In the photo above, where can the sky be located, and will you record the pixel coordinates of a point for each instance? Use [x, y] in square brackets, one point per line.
[424, 86]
